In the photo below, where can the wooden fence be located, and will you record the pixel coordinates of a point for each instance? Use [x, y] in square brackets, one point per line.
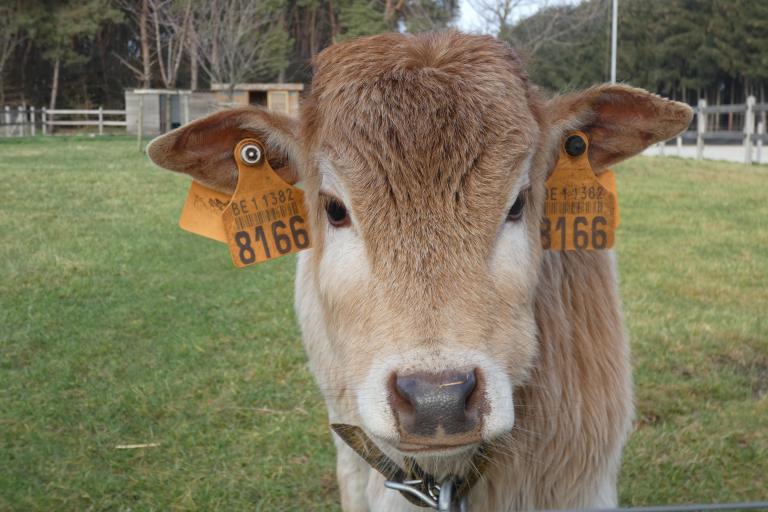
[21, 121]
[705, 128]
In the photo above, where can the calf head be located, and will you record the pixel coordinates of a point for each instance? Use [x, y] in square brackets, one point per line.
[424, 160]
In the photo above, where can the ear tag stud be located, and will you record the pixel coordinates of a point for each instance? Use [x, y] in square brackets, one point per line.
[266, 217]
[581, 210]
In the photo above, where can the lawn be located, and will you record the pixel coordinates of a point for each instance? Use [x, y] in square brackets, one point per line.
[118, 328]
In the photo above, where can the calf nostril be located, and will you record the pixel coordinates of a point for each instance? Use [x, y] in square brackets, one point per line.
[406, 389]
[423, 401]
[464, 384]
[418, 387]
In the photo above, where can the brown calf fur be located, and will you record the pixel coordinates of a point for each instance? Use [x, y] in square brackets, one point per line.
[427, 141]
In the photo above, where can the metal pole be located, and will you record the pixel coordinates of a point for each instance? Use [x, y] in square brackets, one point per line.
[614, 38]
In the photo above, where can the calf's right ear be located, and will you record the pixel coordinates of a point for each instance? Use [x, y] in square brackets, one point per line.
[204, 148]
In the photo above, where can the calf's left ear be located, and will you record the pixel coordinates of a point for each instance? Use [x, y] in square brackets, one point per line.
[620, 121]
[204, 148]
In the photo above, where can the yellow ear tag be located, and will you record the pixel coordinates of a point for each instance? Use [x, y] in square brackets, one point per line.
[581, 210]
[266, 217]
[202, 212]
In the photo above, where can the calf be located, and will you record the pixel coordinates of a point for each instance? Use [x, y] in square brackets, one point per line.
[431, 316]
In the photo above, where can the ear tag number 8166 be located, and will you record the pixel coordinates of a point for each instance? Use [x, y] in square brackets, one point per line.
[581, 210]
[266, 217]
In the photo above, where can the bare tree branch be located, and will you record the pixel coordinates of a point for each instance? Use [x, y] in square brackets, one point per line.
[139, 14]
[237, 39]
[499, 15]
[138, 72]
[171, 25]
[561, 24]
[502, 15]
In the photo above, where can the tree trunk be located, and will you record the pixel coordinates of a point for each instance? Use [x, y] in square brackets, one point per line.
[168, 118]
[192, 50]
[332, 20]
[24, 60]
[102, 47]
[55, 84]
[313, 46]
[144, 35]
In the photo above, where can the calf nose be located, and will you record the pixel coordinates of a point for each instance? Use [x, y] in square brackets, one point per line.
[436, 405]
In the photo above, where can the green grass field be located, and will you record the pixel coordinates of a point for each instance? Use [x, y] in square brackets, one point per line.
[117, 328]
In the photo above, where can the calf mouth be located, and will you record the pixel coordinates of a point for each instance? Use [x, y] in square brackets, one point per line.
[440, 443]
[436, 448]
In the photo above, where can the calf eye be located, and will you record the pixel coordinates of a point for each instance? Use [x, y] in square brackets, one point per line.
[336, 212]
[516, 211]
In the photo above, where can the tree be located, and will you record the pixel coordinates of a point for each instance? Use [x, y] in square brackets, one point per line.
[240, 39]
[11, 36]
[138, 12]
[559, 56]
[171, 21]
[314, 24]
[497, 14]
[555, 26]
[67, 24]
[359, 19]
[428, 15]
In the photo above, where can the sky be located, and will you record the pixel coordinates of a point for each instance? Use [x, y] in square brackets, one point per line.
[469, 20]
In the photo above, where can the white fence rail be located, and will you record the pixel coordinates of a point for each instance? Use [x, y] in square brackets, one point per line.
[752, 135]
[21, 121]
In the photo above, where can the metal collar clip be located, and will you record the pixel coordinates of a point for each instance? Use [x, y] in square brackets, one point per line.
[442, 498]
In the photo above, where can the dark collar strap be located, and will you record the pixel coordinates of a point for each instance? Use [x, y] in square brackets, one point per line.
[370, 453]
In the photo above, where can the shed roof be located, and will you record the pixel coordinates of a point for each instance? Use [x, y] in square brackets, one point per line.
[259, 87]
[158, 91]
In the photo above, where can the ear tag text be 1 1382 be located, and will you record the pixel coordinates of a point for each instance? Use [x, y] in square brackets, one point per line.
[581, 210]
[264, 219]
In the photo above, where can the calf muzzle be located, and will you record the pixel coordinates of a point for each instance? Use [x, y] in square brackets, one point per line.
[436, 410]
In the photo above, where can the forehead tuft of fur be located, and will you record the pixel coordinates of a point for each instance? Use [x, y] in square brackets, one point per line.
[451, 52]
[371, 73]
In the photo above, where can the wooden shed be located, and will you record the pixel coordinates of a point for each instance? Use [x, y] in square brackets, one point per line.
[163, 110]
[282, 98]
